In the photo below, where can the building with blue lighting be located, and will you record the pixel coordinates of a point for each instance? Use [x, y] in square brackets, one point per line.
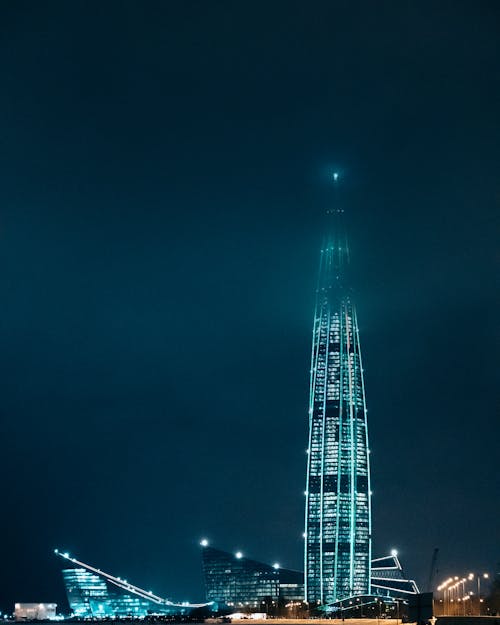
[337, 534]
[339, 572]
[92, 593]
[238, 582]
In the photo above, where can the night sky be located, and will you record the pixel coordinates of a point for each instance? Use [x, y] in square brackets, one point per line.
[164, 170]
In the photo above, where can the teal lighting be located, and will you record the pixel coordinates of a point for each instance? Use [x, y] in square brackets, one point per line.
[92, 594]
[337, 548]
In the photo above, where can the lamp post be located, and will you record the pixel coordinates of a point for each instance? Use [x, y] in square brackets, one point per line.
[463, 581]
[485, 576]
[454, 597]
[478, 578]
[445, 587]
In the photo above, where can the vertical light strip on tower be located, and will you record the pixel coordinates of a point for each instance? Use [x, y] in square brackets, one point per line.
[338, 511]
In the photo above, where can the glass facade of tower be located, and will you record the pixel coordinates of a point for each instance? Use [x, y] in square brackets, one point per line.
[338, 511]
[241, 582]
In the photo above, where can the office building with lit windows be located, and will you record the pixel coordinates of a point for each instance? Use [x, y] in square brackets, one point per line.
[337, 507]
[240, 582]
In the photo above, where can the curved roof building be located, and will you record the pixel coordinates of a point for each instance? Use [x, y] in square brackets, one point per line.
[92, 593]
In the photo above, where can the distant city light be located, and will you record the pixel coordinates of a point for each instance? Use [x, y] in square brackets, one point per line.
[335, 175]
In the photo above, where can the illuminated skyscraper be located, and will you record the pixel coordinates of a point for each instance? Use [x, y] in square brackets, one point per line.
[338, 510]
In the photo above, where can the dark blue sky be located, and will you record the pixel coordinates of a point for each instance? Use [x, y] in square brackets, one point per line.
[163, 173]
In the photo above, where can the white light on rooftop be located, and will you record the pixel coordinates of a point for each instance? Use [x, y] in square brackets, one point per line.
[239, 555]
[276, 565]
[394, 553]
[204, 542]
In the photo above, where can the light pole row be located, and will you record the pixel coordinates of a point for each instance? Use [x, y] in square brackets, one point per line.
[455, 596]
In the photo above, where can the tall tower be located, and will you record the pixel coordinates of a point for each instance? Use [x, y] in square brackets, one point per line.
[338, 508]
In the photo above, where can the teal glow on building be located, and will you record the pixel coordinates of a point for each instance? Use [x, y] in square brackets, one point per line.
[92, 593]
[338, 497]
[238, 582]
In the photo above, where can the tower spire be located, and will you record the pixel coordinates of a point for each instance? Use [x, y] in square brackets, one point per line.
[335, 244]
[338, 509]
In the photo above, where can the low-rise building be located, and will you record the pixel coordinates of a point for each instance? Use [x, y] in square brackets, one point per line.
[35, 611]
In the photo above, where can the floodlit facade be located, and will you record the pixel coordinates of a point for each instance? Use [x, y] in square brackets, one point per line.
[92, 593]
[338, 508]
[91, 596]
[239, 582]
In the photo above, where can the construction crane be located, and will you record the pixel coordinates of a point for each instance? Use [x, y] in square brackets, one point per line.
[433, 571]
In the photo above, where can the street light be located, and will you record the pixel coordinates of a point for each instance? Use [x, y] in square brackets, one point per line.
[447, 590]
[485, 576]
[455, 596]
[478, 577]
